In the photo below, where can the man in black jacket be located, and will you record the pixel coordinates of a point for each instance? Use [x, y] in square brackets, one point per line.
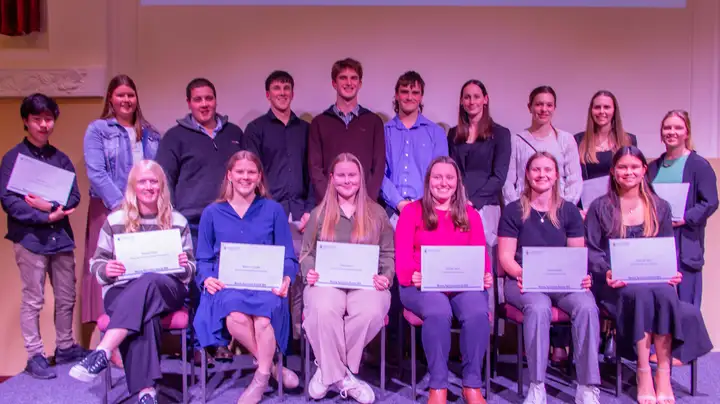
[194, 154]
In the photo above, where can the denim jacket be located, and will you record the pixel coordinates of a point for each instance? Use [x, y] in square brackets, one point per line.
[108, 158]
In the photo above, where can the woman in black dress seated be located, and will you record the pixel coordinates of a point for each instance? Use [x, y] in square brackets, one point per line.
[645, 313]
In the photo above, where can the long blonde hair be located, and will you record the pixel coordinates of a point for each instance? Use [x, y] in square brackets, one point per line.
[620, 138]
[645, 191]
[130, 203]
[226, 189]
[367, 226]
[458, 202]
[555, 200]
[685, 116]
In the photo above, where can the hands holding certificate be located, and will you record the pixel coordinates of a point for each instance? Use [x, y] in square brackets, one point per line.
[381, 282]
[614, 283]
[115, 268]
[213, 285]
[45, 206]
[585, 284]
[417, 280]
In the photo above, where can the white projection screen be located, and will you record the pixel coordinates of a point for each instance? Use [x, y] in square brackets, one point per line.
[494, 3]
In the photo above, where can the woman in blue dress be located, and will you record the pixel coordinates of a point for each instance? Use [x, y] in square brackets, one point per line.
[259, 320]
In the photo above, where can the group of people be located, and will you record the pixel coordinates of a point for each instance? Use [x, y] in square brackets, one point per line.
[347, 177]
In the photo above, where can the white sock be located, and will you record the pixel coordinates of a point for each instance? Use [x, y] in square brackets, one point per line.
[108, 352]
[150, 391]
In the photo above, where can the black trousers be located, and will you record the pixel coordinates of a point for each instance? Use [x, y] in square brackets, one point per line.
[138, 306]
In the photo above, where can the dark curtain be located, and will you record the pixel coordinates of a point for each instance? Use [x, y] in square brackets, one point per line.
[19, 17]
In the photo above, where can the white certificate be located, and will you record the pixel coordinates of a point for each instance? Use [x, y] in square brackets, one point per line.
[32, 176]
[643, 260]
[554, 269]
[593, 189]
[675, 195]
[251, 266]
[346, 265]
[452, 268]
[148, 251]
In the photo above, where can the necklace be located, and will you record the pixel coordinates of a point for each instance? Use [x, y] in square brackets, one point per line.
[542, 217]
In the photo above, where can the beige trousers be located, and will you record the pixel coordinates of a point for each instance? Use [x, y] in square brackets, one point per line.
[33, 269]
[339, 323]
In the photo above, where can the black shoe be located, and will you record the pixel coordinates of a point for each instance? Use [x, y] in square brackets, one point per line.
[69, 355]
[39, 368]
[148, 398]
[90, 367]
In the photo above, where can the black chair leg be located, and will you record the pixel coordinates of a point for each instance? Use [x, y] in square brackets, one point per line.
[520, 360]
[618, 375]
[693, 377]
[488, 362]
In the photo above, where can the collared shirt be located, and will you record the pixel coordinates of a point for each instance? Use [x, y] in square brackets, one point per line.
[218, 126]
[283, 151]
[28, 226]
[408, 153]
[346, 117]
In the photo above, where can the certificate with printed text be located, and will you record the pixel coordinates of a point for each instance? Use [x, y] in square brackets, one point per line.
[593, 189]
[452, 268]
[346, 265]
[643, 260]
[675, 195]
[554, 269]
[32, 176]
[148, 251]
[251, 266]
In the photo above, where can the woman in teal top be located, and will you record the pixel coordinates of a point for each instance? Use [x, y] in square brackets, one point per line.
[681, 164]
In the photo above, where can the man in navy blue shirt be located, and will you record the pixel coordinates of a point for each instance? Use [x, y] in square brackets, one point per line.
[280, 139]
[42, 240]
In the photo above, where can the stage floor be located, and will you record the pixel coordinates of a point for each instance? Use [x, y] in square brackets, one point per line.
[227, 381]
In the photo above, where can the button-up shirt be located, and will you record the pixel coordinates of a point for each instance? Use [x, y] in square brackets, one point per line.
[28, 226]
[408, 153]
[283, 152]
[346, 117]
[218, 126]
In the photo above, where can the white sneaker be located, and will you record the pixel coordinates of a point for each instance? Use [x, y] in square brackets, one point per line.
[536, 394]
[316, 388]
[355, 388]
[585, 394]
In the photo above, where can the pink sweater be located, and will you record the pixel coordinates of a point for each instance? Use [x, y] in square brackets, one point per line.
[410, 235]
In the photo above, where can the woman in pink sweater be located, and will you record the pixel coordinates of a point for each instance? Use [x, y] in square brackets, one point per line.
[444, 218]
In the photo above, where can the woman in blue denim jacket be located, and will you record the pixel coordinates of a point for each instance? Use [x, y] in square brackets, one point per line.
[112, 144]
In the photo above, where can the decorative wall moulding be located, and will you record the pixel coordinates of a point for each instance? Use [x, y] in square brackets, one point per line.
[69, 82]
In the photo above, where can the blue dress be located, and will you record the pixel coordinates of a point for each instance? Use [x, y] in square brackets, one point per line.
[265, 222]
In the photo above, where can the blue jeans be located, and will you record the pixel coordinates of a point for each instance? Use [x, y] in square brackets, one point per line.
[436, 310]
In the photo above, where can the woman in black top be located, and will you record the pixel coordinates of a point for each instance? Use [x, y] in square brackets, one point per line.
[481, 148]
[645, 313]
[604, 135]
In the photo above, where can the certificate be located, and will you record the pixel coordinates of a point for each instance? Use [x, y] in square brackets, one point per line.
[148, 251]
[593, 189]
[251, 266]
[553, 269]
[346, 265]
[675, 195]
[32, 176]
[643, 260]
[452, 268]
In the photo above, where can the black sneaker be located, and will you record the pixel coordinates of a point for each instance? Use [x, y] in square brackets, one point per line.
[90, 367]
[148, 398]
[69, 355]
[39, 368]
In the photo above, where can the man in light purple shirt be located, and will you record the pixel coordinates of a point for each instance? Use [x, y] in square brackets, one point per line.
[411, 142]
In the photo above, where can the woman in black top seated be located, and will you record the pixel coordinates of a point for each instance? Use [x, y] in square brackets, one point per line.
[645, 313]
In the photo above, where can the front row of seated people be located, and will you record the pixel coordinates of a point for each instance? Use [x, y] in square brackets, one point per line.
[339, 323]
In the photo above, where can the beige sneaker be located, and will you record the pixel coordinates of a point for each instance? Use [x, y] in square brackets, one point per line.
[355, 388]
